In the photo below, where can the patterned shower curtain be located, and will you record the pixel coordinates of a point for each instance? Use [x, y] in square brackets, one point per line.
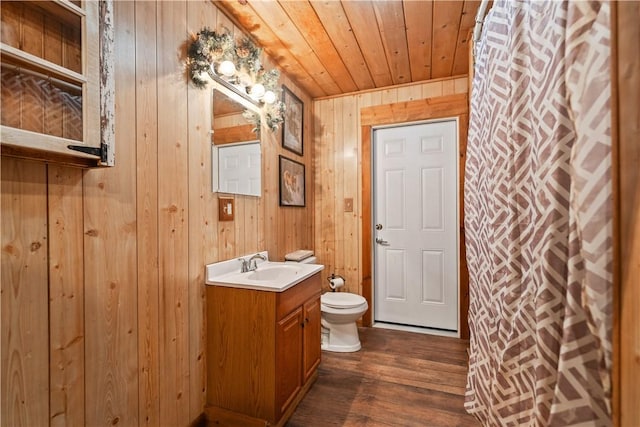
[538, 216]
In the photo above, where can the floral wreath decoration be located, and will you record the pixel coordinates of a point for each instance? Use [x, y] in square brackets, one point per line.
[208, 49]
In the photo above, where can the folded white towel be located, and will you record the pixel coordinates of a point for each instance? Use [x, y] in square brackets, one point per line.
[298, 255]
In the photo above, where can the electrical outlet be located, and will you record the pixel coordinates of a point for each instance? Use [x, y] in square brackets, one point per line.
[225, 209]
[348, 204]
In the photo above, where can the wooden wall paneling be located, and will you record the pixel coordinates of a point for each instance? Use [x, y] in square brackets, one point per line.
[461, 85]
[389, 96]
[408, 93]
[24, 365]
[327, 174]
[448, 87]
[446, 23]
[394, 38]
[173, 215]
[310, 164]
[418, 18]
[203, 216]
[270, 191]
[374, 99]
[627, 65]
[66, 297]
[226, 240]
[432, 89]
[239, 225]
[366, 265]
[337, 196]
[110, 256]
[362, 100]
[222, 23]
[146, 146]
[318, 144]
[250, 221]
[350, 234]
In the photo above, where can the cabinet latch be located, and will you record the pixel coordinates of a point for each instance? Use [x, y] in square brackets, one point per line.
[100, 152]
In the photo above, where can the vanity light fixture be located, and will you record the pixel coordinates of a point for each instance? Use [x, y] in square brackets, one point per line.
[257, 91]
[269, 97]
[213, 55]
[227, 68]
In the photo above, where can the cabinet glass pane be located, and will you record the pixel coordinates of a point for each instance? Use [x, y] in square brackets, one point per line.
[40, 104]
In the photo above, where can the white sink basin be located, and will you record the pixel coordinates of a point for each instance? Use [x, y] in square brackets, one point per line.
[275, 272]
[269, 276]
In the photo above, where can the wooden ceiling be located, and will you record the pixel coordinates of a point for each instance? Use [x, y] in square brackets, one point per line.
[334, 47]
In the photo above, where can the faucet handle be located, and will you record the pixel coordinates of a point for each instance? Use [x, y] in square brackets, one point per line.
[245, 265]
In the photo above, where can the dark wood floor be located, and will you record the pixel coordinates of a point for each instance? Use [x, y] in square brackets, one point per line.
[397, 379]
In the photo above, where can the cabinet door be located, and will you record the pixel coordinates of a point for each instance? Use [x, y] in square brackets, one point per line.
[311, 350]
[288, 359]
[58, 81]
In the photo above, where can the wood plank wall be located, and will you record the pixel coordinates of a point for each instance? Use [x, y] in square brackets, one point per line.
[338, 166]
[103, 270]
[627, 360]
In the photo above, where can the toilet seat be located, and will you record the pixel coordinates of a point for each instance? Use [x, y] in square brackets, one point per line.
[342, 300]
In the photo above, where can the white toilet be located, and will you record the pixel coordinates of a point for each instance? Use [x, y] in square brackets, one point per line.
[340, 311]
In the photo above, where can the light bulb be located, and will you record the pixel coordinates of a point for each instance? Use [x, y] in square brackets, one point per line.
[269, 97]
[227, 68]
[257, 91]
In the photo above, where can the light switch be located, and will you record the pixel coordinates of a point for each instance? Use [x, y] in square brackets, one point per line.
[348, 204]
[225, 209]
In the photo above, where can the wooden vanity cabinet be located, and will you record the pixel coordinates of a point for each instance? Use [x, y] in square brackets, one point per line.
[263, 350]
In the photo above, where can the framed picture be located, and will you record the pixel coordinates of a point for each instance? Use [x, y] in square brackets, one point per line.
[291, 182]
[293, 122]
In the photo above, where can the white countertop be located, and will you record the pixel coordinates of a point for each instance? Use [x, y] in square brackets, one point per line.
[269, 276]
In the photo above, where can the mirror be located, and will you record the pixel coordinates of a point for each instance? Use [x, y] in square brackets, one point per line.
[236, 153]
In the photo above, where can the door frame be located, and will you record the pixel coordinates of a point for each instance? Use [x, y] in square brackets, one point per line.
[441, 107]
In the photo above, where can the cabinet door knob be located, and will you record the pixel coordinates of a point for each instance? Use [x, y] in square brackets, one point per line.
[306, 320]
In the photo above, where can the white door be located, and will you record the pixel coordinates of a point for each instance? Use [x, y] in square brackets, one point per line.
[416, 225]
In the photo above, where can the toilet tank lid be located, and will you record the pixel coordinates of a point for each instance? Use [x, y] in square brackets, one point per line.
[342, 300]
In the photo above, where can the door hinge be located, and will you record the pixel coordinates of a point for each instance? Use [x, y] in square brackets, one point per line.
[100, 152]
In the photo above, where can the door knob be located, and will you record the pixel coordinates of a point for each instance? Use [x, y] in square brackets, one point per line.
[378, 227]
[381, 242]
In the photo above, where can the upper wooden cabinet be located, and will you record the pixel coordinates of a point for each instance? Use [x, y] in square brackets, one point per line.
[55, 106]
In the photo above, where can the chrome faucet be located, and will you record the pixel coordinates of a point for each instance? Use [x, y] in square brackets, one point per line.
[254, 266]
[251, 264]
